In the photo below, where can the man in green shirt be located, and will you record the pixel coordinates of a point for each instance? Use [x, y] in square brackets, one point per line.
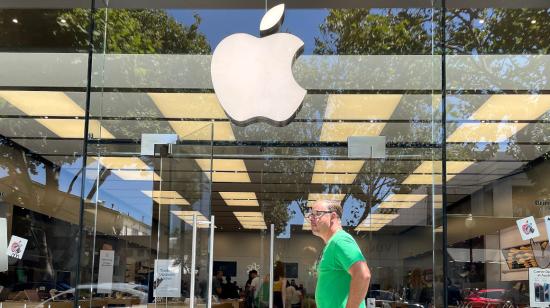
[343, 276]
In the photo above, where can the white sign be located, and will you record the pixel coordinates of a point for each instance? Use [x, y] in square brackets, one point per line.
[16, 248]
[3, 244]
[167, 278]
[527, 228]
[252, 76]
[105, 272]
[539, 287]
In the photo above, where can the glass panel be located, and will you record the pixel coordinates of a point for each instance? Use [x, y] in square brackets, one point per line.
[497, 109]
[43, 60]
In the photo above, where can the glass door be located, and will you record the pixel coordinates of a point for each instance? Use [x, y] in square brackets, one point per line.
[184, 233]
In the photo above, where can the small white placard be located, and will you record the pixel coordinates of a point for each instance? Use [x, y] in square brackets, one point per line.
[16, 248]
[539, 287]
[105, 272]
[547, 224]
[167, 278]
[3, 244]
[371, 302]
[527, 228]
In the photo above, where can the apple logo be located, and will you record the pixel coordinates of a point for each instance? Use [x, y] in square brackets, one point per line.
[252, 76]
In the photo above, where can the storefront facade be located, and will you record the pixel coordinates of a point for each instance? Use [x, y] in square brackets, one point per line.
[128, 180]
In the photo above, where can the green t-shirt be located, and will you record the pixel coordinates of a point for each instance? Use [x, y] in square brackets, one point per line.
[333, 278]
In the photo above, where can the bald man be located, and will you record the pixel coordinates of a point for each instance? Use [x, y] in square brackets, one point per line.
[343, 275]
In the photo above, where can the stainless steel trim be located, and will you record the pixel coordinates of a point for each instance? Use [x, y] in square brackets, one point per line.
[210, 262]
[271, 245]
[193, 263]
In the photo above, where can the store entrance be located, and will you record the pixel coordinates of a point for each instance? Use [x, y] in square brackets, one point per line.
[257, 193]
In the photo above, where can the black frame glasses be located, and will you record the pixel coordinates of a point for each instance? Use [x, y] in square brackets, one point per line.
[317, 214]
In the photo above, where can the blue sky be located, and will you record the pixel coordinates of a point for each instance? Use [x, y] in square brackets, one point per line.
[218, 24]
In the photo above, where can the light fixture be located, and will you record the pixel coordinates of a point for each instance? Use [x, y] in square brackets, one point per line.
[340, 131]
[396, 204]
[367, 107]
[202, 130]
[501, 107]
[199, 106]
[136, 175]
[166, 197]
[114, 162]
[187, 217]
[48, 103]
[225, 170]
[251, 220]
[361, 106]
[481, 21]
[63, 21]
[15, 20]
[533, 21]
[429, 172]
[239, 198]
[336, 171]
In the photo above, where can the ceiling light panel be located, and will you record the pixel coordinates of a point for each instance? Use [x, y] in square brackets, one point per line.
[336, 171]
[188, 105]
[361, 106]
[187, 216]
[453, 167]
[202, 130]
[239, 198]
[513, 107]
[406, 197]
[168, 194]
[112, 162]
[225, 170]
[46, 103]
[136, 175]
[485, 132]
[397, 204]
[171, 201]
[340, 131]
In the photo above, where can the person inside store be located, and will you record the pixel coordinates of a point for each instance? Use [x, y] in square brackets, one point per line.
[293, 296]
[249, 288]
[217, 284]
[343, 276]
[279, 285]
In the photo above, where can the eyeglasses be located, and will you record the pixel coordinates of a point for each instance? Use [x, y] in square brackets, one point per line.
[316, 214]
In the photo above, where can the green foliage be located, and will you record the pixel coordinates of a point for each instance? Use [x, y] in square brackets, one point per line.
[135, 31]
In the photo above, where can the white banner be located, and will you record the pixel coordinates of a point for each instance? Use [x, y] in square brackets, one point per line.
[3, 245]
[539, 287]
[167, 278]
[16, 248]
[105, 272]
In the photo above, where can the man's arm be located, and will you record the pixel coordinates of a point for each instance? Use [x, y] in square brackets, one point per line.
[359, 285]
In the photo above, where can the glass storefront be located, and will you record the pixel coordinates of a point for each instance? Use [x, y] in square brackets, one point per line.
[124, 182]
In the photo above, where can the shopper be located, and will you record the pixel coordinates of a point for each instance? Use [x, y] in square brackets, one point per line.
[343, 275]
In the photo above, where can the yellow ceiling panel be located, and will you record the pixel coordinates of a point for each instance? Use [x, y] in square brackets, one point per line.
[513, 107]
[340, 131]
[327, 178]
[485, 132]
[136, 175]
[338, 166]
[202, 130]
[453, 167]
[406, 197]
[361, 106]
[74, 128]
[188, 105]
[396, 204]
[112, 162]
[43, 103]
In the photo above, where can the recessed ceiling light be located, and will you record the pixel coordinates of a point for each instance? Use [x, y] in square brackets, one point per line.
[533, 21]
[481, 21]
[15, 20]
[63, 21]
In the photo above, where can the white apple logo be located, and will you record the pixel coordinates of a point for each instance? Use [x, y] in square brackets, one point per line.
[252, 76]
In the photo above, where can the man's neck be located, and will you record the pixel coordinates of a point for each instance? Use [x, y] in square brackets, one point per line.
[331, 233]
